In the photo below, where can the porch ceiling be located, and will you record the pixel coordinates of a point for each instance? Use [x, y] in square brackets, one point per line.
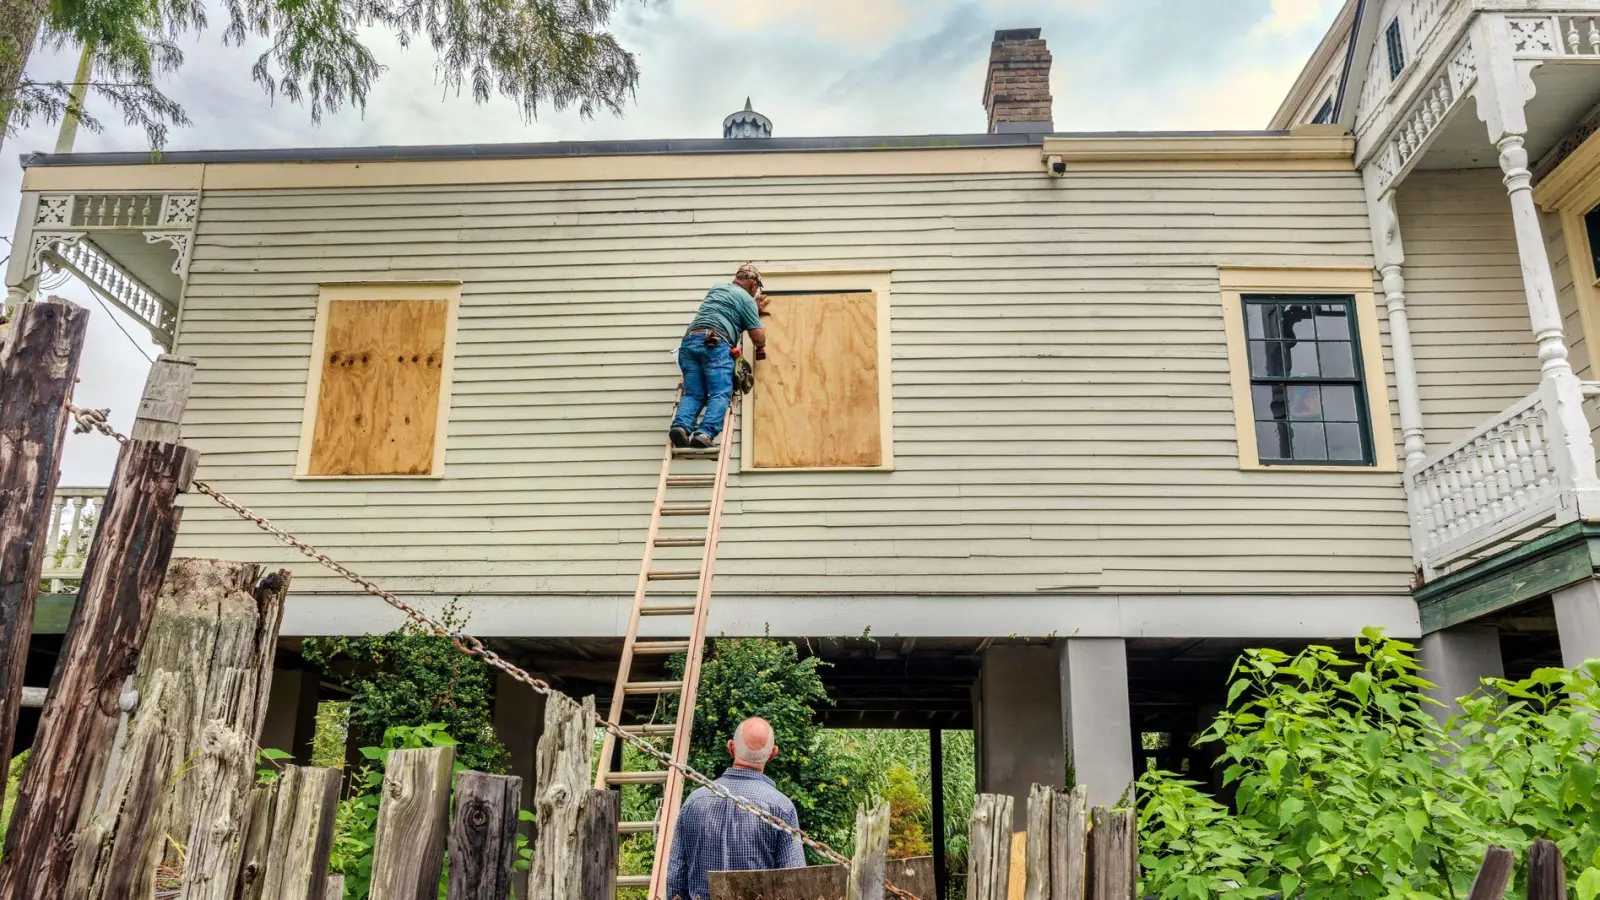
[151, 263]
[1564, 93]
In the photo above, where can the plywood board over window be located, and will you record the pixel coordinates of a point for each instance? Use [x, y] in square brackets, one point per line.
[821, 396]
[377, 398]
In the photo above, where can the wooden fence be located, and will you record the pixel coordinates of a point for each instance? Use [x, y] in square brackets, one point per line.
[1065, 851]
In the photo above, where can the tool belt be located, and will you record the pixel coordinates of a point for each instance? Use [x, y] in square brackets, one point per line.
[713, 336]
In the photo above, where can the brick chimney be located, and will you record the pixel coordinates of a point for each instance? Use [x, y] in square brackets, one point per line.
[1017, 92]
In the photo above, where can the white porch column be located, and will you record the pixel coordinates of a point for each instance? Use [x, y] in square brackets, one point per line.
[19, 282]
[1503, 89]
[1457, 660]
[1389, 255]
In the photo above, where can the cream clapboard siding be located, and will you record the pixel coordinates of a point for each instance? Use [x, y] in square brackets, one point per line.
[1469, 313]
[1062, 414]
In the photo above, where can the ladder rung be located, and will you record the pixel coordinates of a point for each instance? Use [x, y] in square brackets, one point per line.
[633, 881]
[691, 481]
[647, 827]
[674, 575]
[696, 452]
[686, 509]
[651, 728]
[652, 687]
[660, 648]
[659, 777]
[668, 609]
[680, 542]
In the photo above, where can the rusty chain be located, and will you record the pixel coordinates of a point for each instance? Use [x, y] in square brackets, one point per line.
[96, 420]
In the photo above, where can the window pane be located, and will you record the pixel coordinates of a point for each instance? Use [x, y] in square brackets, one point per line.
[1266, 358]
[1337, 360]
[1339, 403]
[1255, 320]
[1303, 360]
[1270, 401]
[1309, 441]
[1305, 402]
[1344, 442]
[1272, 440]
[1299, 322]
[1332, 324]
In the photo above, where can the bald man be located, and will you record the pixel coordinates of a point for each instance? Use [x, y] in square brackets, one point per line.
[715, 836]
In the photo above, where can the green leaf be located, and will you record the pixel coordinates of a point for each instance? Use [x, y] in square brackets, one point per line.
[274, 754]
[1237, 688]
[1417, 821]
[1588, 885]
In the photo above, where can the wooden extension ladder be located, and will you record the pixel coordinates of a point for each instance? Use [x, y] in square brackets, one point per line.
[652, 597]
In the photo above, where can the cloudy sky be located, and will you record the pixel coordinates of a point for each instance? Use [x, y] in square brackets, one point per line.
[815, 67]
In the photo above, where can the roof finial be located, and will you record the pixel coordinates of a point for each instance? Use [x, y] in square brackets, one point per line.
[747, 104]
[747, 123]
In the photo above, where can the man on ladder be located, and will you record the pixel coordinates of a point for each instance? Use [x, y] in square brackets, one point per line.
[707, 353]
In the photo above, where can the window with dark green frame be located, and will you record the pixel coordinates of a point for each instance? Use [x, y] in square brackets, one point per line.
[1307, 394]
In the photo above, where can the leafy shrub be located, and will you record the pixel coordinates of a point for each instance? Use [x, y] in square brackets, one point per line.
[908, 815]
[1346, 786]
[410, 678]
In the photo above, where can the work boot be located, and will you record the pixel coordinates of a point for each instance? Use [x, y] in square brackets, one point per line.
[679, 436]
[701, 440]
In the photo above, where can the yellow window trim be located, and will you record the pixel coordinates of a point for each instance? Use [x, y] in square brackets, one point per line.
[774, 278]
[1570, 190]
[450, 292]
[1236, 281]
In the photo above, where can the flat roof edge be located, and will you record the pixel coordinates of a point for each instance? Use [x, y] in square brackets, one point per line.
[568, 149]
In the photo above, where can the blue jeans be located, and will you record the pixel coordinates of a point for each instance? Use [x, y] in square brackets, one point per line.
[707, 384]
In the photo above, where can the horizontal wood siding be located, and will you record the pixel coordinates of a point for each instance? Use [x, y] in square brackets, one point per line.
[1062, 414]
[1469, 313]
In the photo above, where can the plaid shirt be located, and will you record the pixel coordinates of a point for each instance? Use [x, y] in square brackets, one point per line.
[714, 836]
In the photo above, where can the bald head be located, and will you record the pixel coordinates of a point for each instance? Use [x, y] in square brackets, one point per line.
[753, 744]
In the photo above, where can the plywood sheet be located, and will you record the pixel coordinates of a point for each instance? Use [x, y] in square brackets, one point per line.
[816, 397]
[378, 404]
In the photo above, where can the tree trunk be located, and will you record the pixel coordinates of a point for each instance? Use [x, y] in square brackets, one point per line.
[19, 31]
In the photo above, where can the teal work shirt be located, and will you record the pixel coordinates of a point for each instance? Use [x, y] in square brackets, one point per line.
[728, 309]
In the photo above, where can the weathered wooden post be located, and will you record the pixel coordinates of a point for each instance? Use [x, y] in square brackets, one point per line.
[36, 379]
[565, 762]
[871, 860]
[989, 848]
[1547, 875]
[252, 876]
[408, 845]
[1113, 855]
[1041, 823]
[602, 845]
[203, 680]
[1069, 851]
[1493, 875]
[302, 834]
[483, 836]
[122, 576]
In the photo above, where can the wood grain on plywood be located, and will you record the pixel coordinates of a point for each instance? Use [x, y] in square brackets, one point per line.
[816, 397]
[378, 405]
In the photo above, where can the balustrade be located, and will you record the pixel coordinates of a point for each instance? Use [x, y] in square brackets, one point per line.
[73, 518]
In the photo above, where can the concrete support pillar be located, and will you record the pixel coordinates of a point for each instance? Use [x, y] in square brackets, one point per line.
[1457, 660]
[283, 706]
[1099, 726]
[1578, 622]
[1021, 735]
[519, 721]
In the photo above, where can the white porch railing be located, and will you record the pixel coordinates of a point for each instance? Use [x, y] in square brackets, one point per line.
[73, 518]
[1507, 477]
